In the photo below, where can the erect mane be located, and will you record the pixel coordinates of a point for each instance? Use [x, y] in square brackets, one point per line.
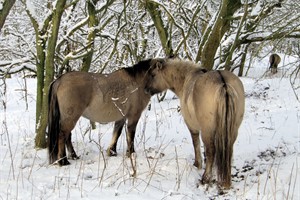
[185, 65]
[141, 67]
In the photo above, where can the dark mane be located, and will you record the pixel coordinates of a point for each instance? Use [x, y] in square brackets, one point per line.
[140, 67]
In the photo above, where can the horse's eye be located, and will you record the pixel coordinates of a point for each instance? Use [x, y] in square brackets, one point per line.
[152, 75]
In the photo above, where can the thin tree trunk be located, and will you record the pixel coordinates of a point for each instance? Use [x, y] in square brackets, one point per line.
[243, 60]
[93, 22]
[40, 140]
[154, 11]
[5, 7]
[40, 63]
[41, 40]
[229, 55]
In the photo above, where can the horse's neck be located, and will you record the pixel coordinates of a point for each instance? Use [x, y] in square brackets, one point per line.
[177, 80]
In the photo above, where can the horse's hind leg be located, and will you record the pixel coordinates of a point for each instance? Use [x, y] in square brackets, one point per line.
[70, 148]
[62, 157]
[208, 140]
[112, 149]
[197, 148]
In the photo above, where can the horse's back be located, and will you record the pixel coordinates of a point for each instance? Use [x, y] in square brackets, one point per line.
[78, 80]
[75, 88]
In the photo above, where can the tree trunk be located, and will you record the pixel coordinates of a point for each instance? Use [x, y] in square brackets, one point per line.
[5, 7]
[93, 22]
[213, 34]
[40, 140]
[41, 39]
[229, 54]
[162, 31]
[243, 60]
[40, 63]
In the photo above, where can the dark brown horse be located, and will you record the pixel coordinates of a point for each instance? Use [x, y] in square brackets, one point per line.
[274, 60]
[103, 98]
[211, 102]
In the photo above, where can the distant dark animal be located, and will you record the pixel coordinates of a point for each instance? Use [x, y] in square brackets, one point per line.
[211, 102]
[274, 60]
[102, 98]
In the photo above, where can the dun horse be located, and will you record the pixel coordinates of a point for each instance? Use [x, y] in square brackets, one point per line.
[103, 98]
[211, 102]
[274, 60]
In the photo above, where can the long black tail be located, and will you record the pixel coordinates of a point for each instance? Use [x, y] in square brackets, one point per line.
[53, 122]
[225, 132]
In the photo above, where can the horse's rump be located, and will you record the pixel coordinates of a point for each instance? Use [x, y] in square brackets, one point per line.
[274, 60]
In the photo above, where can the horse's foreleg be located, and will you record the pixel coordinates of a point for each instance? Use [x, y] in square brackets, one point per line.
[112, 149]
[197, 148]
[210, 156]
[70, 148]
[131, 127]
[62, 158]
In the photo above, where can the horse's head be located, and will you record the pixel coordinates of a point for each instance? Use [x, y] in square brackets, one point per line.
[155, 81]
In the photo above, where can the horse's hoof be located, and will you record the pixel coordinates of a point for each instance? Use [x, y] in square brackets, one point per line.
[224, 186]
[222, 190]
[63, 162]
[205, 180]
[196, 164]
[111, 152]
[74, 156]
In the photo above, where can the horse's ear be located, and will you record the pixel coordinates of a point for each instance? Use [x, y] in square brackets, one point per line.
[159, 65]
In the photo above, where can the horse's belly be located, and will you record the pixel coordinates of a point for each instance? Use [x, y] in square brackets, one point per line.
[104, 115]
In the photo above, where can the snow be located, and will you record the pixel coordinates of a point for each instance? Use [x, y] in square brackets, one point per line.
[15, 66]
[39, 11]
[265, 165]
[1, 4]
[257, 9]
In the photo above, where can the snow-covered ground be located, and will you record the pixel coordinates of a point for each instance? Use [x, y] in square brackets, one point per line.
[265, 165]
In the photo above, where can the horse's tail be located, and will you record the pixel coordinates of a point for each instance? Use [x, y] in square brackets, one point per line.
[53, 122]
[272, 61]
[226, 132]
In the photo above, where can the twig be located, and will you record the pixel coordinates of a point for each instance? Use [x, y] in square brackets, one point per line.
[295, 178]
[290, 181]
[133, 164]
[33, 162]
[177, 167]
